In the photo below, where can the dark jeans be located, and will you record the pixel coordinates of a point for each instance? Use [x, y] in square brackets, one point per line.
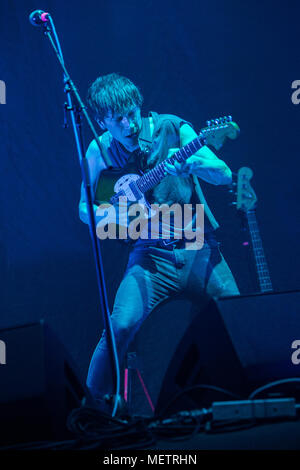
[153, 275]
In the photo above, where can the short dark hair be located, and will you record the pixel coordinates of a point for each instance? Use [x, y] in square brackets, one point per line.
[113, 93]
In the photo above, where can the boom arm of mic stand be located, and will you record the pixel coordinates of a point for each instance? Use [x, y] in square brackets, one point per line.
[77, 127]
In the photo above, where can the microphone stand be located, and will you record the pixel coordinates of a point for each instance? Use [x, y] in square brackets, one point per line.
[76, 116]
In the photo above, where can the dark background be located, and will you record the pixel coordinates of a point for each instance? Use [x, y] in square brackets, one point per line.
[195, 59]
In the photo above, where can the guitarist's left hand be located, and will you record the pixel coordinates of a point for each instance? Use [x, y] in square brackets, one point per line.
[204, 164]
[182, 169]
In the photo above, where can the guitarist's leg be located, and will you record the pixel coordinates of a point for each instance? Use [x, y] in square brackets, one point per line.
[221, 282]
[206, 273]
[151, 277]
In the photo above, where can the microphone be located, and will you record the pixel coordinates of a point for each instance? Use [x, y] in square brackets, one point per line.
[39, 17]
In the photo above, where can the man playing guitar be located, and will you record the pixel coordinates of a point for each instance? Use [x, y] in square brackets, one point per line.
[160, 268]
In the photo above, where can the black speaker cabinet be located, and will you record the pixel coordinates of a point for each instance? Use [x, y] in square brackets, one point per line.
[236, 344]
[39, 385]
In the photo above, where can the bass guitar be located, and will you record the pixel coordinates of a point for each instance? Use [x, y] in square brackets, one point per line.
[246, 202]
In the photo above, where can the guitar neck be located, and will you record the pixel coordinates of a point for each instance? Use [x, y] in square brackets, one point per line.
[157, 174]
[260, 260]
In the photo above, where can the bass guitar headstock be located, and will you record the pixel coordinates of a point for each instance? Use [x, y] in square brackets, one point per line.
[246, 197]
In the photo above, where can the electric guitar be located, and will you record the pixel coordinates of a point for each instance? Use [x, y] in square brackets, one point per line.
[246, 202]
[116, 188]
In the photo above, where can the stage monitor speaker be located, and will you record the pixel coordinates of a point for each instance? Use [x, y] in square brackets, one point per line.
[237, 344]
[39, 385]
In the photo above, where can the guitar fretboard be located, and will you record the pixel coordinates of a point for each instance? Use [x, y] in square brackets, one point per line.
[154, 176]
[261, 264]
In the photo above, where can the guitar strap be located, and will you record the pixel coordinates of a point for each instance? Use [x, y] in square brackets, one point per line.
[145, 141]
[145, 137]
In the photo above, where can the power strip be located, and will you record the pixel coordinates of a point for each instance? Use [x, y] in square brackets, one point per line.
[254, 409]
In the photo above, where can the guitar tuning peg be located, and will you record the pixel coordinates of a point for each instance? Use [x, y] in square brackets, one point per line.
[229, 118]
[208, 123]
[216, 121]
[233, 204]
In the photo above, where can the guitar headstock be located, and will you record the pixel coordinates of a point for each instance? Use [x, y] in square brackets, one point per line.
[246, 197]
[218, 130]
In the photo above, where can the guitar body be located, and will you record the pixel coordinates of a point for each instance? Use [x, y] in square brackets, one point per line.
[112, 181]
[117, 190]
